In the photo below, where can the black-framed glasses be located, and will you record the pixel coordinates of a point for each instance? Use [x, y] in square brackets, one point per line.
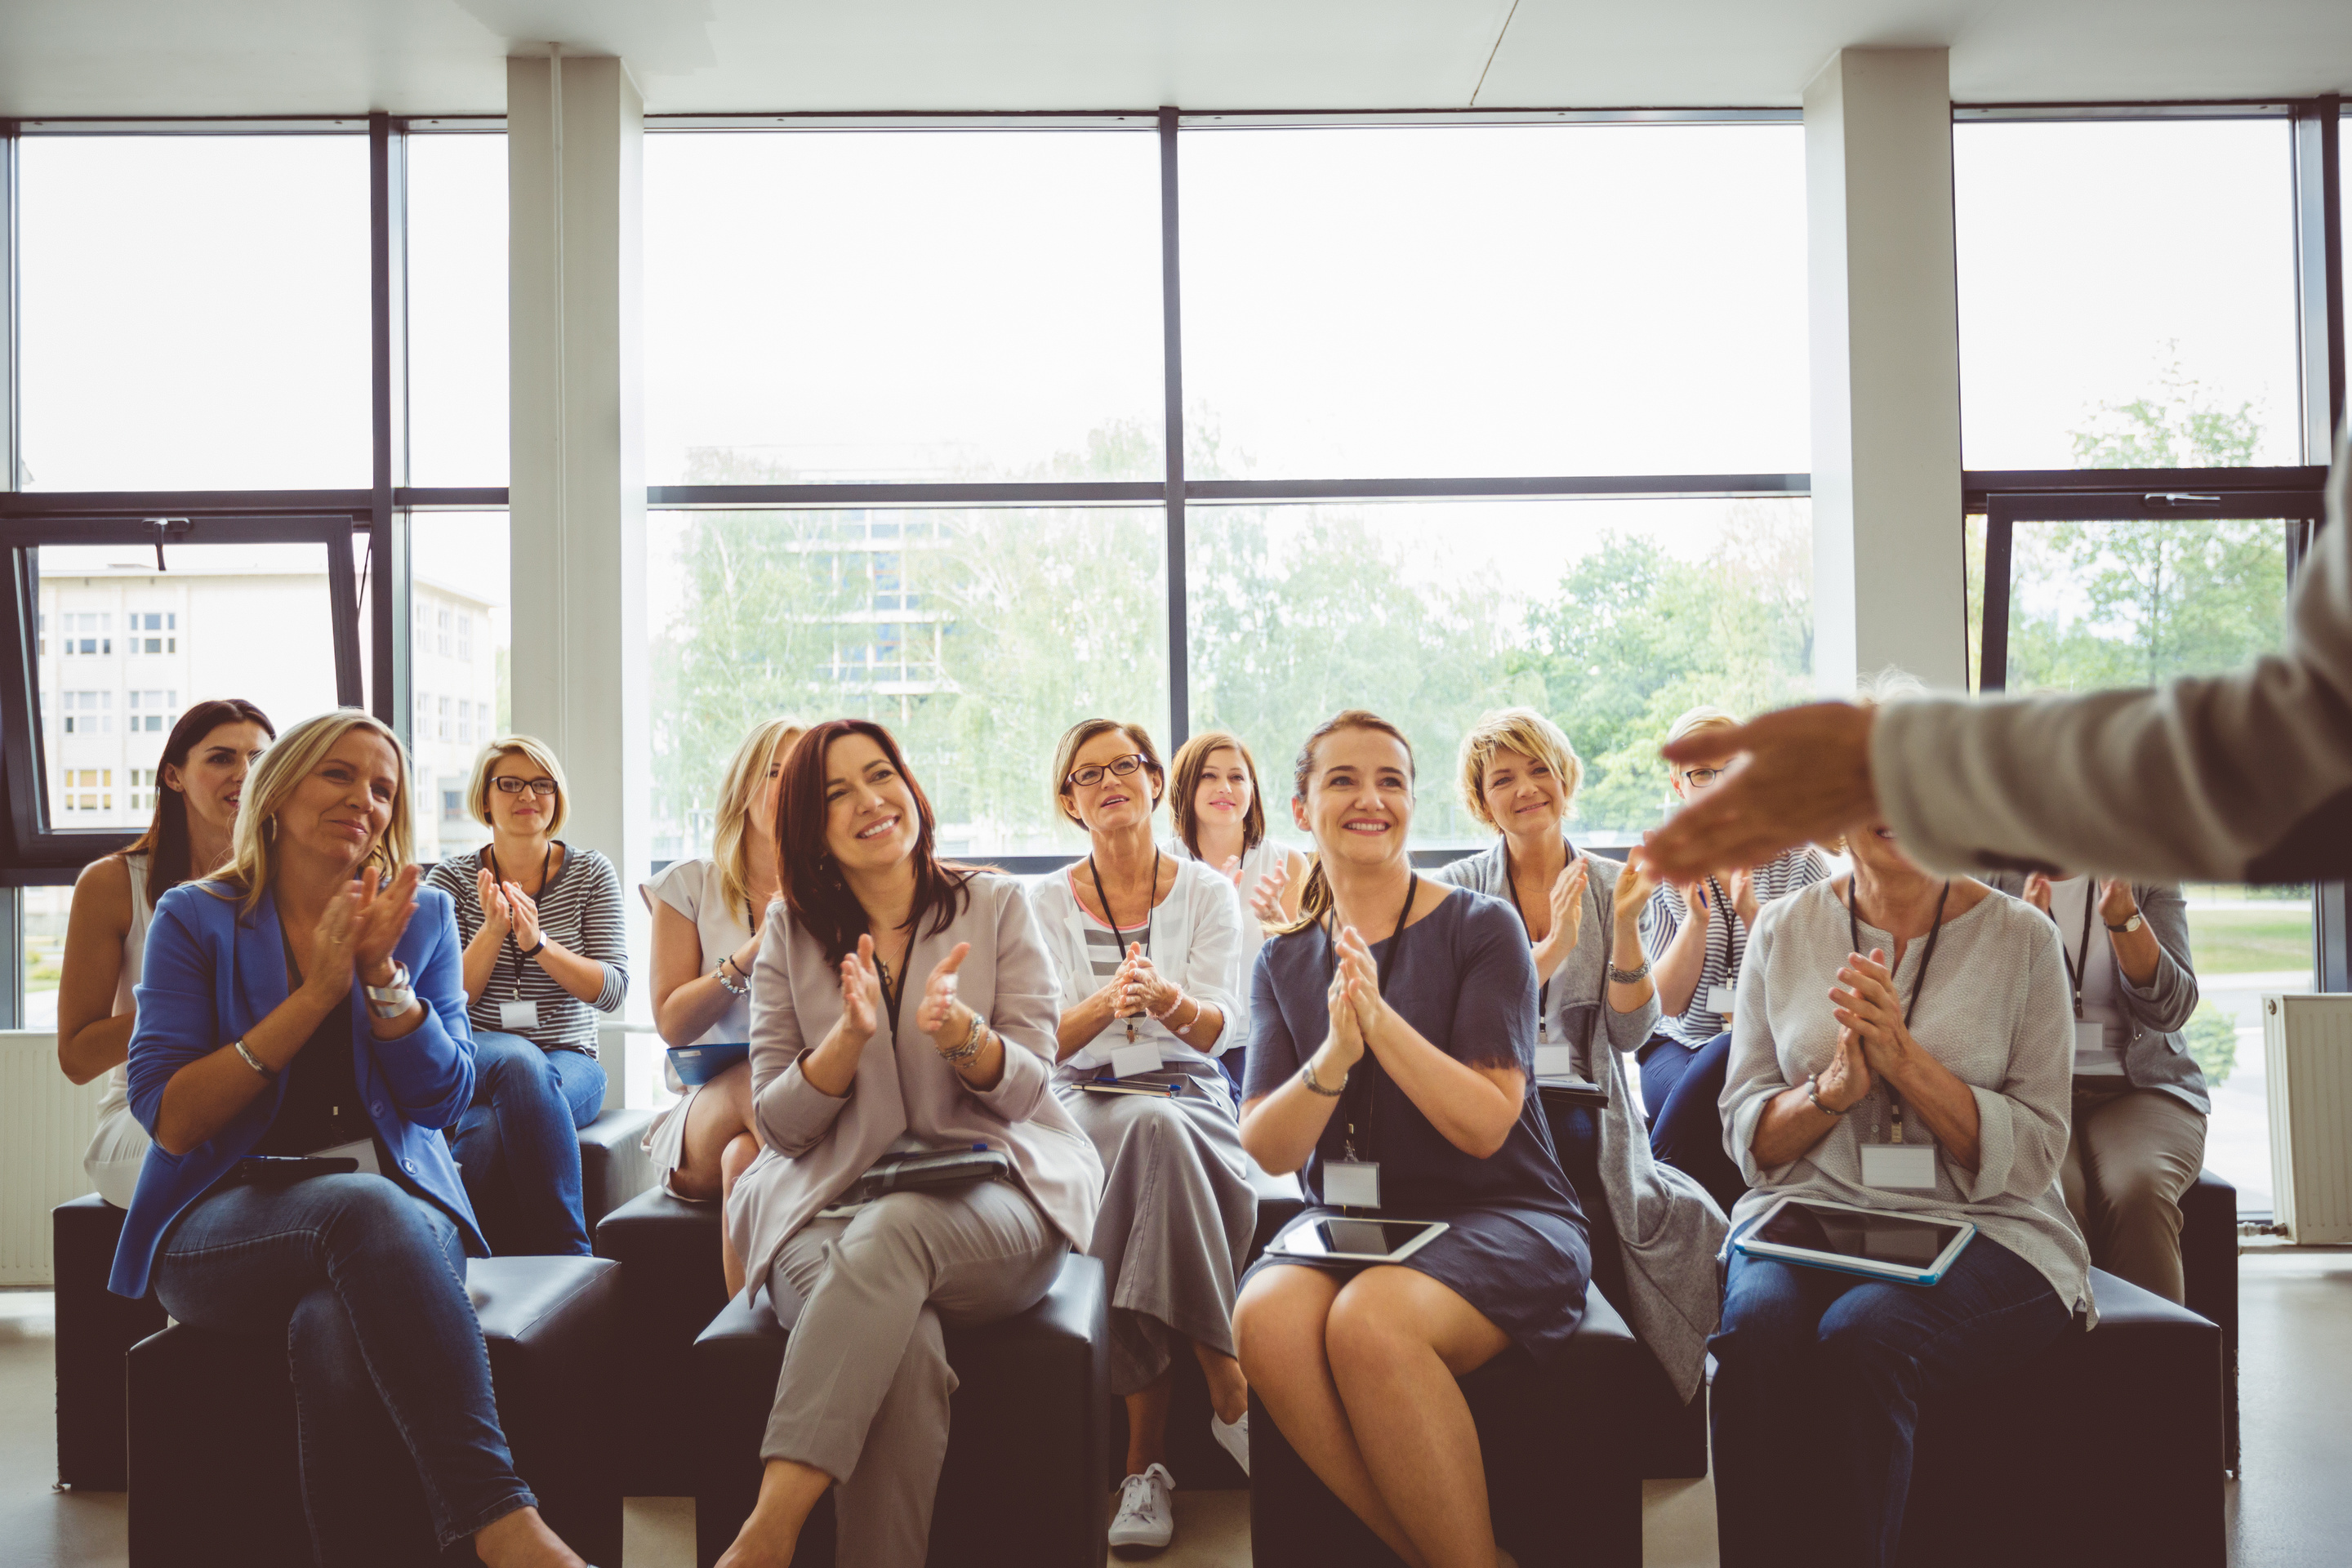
[1702, 777]
[1119, 768]
[539, 785]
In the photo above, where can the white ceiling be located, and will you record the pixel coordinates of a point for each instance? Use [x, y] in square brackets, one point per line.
[443, 57]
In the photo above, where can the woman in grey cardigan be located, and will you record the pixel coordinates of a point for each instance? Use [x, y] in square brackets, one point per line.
[1519, 775]
[852, 1062]
[2140, 1103]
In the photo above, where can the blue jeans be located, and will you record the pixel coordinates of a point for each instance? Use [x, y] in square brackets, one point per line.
[519, 1146]
[366, 1285]
[1817, 1387]
[1680, 1087]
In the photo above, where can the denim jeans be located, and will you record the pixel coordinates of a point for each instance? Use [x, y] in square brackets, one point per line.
[1681, 1088]
[518, 1146]
[365, 1284]
[1817, 1387]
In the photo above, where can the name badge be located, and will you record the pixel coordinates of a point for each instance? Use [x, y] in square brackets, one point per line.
[1899, 1167]
[1555, 1061]
[1352, 1183]
[1142, 1057]
[517, 1015]
[2090, 1037]
[1719, 999]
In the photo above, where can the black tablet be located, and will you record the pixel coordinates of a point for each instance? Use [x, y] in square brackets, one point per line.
[1880, 1245]
[1328, 1239]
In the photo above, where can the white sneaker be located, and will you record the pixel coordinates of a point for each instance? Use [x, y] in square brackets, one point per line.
[1231, 1436]
[1145, 1521]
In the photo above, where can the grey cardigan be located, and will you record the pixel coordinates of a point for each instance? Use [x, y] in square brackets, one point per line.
[2158, 1055]
[1668, 1229]
[813, 1146]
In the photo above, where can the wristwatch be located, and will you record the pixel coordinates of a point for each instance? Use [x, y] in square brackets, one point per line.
[391, 1001]
[2128, 926]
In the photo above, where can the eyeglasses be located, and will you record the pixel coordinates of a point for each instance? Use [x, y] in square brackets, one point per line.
[1699, 778]
[541, 785]
[1123, 768]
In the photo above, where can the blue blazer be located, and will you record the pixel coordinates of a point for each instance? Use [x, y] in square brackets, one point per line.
[211, 972]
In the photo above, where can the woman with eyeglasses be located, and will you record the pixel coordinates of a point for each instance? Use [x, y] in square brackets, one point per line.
[1147, 946]
[1697, 937]
[546, 950]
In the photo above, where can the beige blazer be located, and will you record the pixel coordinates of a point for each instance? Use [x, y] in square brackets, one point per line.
[813, 1146]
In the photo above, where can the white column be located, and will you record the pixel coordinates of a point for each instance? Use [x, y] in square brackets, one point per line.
[1889, 583]
[575, 135]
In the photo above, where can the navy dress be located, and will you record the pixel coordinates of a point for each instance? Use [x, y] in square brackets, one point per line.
[1518, 1249]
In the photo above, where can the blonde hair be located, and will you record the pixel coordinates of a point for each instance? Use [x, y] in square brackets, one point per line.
[769, 740]
[1706, 716]
[1891, 684]
[478, 791]
[1528, 733]
[1314, 898]
[252, 852]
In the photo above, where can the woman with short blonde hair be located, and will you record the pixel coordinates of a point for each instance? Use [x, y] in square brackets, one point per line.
[708, 912]
[1696, 936]
[546, 950]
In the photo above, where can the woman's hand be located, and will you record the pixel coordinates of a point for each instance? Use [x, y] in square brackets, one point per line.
[379, 919]
[1145, 991]
[522, 911]
[1232, 870]
[1343, 1048]
[1638, 880]
[1741, 886]
[940, 1014]
[1567, 902]
[1266, 902]
[1842, 1085]
[2116, 904]
[328, 973]
[1869, 1006]
[1363, 972]
[861, 994]
[2037, 892]
[496, 919]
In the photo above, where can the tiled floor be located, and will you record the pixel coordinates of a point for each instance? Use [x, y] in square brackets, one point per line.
[2290, 1509]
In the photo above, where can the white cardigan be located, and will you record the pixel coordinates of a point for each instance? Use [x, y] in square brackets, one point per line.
[1196, 943]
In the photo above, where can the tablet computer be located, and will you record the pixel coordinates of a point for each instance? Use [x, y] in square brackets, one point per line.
[698, 1065]
[1567, 1088]
[1912, 1250]
[1330, 1239]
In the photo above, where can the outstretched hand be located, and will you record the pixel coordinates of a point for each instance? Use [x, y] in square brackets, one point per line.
[1805, 778]
[861, 992]
[379, 918]
[940, 1006]
[1265, 903]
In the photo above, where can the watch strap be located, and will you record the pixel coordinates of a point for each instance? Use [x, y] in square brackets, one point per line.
[2128, 926]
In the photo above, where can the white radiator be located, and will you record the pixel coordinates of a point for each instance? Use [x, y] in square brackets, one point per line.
[2308, 1057]
[45, 1125]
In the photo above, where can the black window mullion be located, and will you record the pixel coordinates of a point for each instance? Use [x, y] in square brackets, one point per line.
[388, 553]
[1171, 354]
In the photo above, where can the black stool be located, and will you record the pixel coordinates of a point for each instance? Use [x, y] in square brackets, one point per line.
[2208, 1264]
[1027, 1437]
[214, 1475]
[96, 1328]
[671, 1286]
[1561, 1484]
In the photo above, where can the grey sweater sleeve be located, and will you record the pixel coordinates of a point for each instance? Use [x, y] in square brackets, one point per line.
[2246, 776]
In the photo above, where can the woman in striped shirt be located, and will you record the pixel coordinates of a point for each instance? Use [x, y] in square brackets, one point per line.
[1697, 937]
[545, 951]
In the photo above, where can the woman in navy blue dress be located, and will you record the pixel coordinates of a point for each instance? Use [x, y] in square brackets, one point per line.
[1390, 1056]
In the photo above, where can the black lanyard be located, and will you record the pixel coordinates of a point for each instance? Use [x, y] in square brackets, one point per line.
[1351, 1103]
[2075, 972]
[491, 855]
[1728, 916]
[1919, 982]
[892, 995]
[1151, 896]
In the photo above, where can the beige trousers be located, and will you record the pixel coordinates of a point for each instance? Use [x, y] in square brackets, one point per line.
[2133, 1153]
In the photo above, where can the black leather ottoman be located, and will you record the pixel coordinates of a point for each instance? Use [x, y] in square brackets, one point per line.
[1026, 1445]
[671, 1286]
[1560, 1485]
[613, 1168]
[96, 1328]
[212, 1440]
[2105, 1449]
[2208, 1262]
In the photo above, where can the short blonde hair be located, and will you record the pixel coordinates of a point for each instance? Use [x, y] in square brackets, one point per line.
[1528, 733]
[253, 843]
[1065, 758]
[478, 793]
[1891, 684]
[1706, 716]
[767, 742]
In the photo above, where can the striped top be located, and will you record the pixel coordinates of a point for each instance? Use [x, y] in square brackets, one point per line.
[1726, 935]
[580, 908]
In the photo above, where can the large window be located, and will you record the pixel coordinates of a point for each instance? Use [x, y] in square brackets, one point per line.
[457, 308]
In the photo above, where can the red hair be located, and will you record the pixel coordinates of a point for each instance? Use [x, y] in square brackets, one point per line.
[814, 890]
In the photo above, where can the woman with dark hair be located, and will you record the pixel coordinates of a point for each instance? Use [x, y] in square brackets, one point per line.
[849, 1068]
[199, 780]
[1392, 1055]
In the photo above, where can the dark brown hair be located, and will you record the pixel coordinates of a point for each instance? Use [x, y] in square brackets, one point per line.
[1065, 756]
[1315, 898]
[1191, 761]
[166, 842]
[814, 890]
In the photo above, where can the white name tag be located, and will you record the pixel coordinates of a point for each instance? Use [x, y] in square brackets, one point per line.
[361, 1149]
[517, 1015]
[2090, 1037]
[1127, 1061]
[1352, 1183]
[1555, 1061]
[1899, 1167]
[1718, 1000]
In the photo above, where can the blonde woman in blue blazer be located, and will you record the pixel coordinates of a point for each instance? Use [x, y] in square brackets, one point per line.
[308, 998]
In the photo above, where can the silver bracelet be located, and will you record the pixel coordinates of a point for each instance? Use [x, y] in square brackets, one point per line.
[1630, 976]
[726, 983]
[1813, 1095]
[1306, 1077]
[251, 1061]
[389, 1002]
[973, 1039]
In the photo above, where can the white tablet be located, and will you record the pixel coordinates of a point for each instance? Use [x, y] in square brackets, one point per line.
[1329, 1239]
[1911, 1249]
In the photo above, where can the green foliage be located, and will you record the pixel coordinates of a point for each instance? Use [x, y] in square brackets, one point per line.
[2213, 1043]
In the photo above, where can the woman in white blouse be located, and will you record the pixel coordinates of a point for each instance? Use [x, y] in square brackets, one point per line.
[707, 915]
[1149, 950]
